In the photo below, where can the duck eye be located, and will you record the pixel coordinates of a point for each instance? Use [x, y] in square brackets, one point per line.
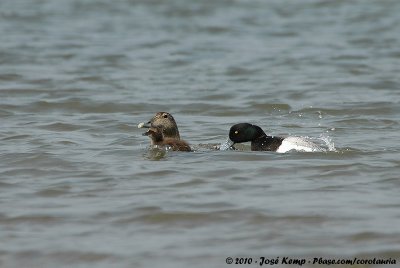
[236, 132]
[165, 116]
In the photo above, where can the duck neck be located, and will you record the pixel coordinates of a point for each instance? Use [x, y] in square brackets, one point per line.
[260, 134]
[266, 143]
[156, 139]
[262, 137]
[171, 132]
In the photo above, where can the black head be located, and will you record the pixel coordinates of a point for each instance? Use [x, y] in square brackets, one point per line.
[245, 132]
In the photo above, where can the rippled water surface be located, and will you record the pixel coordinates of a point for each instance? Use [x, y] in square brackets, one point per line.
[79, 186]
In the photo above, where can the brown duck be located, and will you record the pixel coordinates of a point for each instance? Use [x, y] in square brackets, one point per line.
[163, 130]
[167, 123]
[157, 138]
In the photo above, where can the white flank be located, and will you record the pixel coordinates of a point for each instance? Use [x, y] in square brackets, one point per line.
[298, 144]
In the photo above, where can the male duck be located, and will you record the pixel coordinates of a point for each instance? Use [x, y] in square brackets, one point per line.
[260, 141]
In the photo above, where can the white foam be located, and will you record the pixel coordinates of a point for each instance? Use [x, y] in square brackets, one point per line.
[328, 142]
[141, 125]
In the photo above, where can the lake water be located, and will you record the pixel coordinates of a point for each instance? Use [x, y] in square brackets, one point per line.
[79, 186]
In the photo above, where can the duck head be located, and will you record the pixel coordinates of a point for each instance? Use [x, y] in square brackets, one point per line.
[166, 122]
[244, 132]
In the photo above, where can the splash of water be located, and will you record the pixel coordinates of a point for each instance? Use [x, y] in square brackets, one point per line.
[328, 142]
[225, 145]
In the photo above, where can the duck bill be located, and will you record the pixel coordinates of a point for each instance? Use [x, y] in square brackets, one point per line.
[150, 131]
[147, 133]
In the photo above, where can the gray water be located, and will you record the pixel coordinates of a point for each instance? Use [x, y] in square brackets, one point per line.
[79, 186]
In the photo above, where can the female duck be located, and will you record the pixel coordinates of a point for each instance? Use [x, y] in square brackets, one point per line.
[157, 138]
[260, 141]
[166, 122]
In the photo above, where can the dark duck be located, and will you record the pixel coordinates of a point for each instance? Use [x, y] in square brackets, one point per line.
[245, 132]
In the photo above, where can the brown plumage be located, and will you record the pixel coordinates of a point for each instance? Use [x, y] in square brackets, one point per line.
[167, 123]
[157, 138]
